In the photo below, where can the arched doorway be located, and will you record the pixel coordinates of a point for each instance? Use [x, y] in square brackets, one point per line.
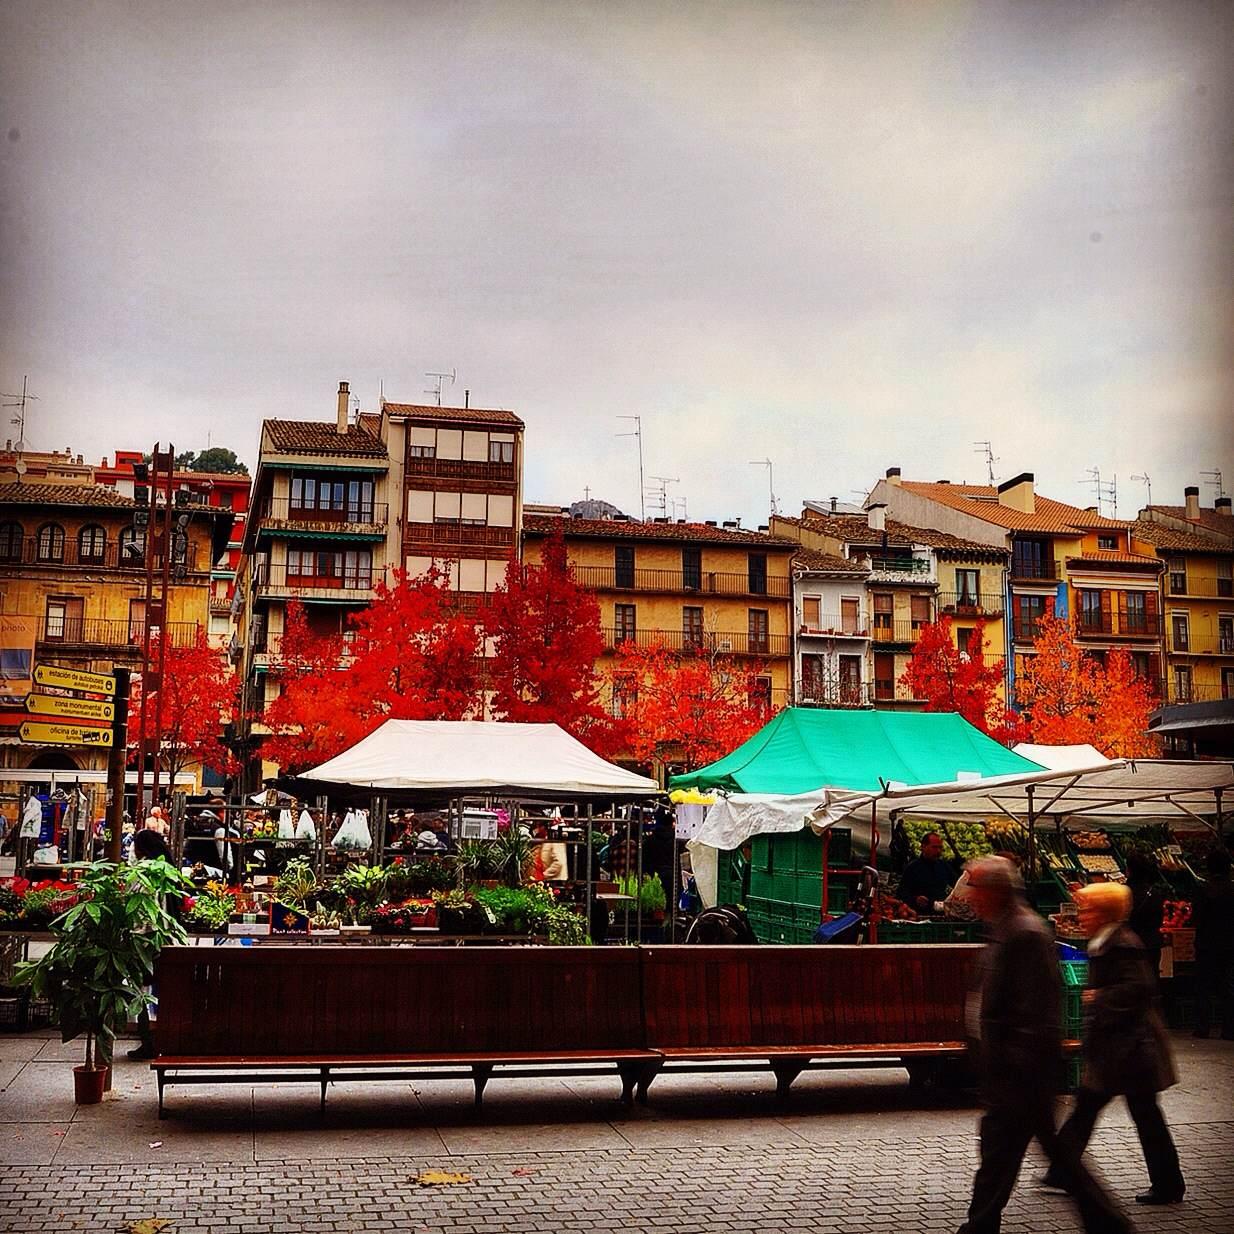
[53, 760]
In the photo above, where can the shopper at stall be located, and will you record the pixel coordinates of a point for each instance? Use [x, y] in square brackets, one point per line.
[148, 845]
[927, 881]
[1147, 903]
[1015, 1019]
[1127, 1052]
[1214, 946]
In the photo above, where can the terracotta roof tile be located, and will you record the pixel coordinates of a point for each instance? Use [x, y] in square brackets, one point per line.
[855, 529]
[1104, 557]
[370, 422]
[981, 501]
[1209, 519]
[1172, 540]
[464, 415]
[95, 496]
[614, 529]
[808, 559]
[322, 437]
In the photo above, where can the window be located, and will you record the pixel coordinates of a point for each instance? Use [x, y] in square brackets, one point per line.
[1090, 609]
[849, 615]
[850, 679]
[813, 678]
[1107, 544]
[1029, 610]
[967, 587]
[1135, 613]
[450, 443]
[359, 501]
[1225, 635]
[1227, 683]
[884, 675]
[962, 636]
[49, 543]
[1225, 578]
[692, 625]
[884, 606]
[1180, 632]
[625, 698]
[624, 627]
[756, 570]
[1178, 576]
[447, 507]
[811, 612]
[500, 510]
[692, 569]
[421, 442]
[63, 619]
[1031, 559]
[10, 541]
[137, 620]
[1142, 665]
[132, 547]
[920, 609]
[475, 445]
[760, 642]
[1182, 683]
[91, 543]
[225, 500]
[623, 563]
[760, 693]
[500, 451]
[475, 509]
[419, 505]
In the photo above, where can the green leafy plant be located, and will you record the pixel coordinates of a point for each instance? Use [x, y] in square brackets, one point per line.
[297, 883]
[211, 911]
[511, 855]
[105, 950]
[407, 879]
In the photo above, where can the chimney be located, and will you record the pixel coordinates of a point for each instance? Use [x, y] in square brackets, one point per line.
[893, 476]
[344, 399]
[1192, 495]
[1222, 506]
[876, 515]
[835, 501]
[1017, 493]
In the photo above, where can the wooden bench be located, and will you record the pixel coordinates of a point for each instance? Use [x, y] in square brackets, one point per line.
[242, 1015]
[793, 1008]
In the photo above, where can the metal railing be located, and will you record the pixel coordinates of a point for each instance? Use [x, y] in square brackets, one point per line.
[898, 631]
[70, 554]
[1188, 585]
[105, 632]
[836, 625]
[836, 693]
[738, 643]
[1126, 625]
[277, 578]
[459, 469]
[1033, 569]
[335, 518]
[479, 534]
[1202, 644]
[970, 603]
[1206, 692]
[706, 582]
[915, 567]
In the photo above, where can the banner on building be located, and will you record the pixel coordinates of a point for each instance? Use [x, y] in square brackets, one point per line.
[17, 635]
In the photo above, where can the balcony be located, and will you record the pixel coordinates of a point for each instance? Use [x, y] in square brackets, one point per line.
[1027, 571]
[351, 518]
[1176, 692]
[1120, 625]
[835, 625]
[1202, 588]
[1202, 644]
[738, 643]
[273, 582]
[829, 693]
[477, 535]
[970, 604]
[72, 558]
[220, 606]
[705, 583]
[459, 469]
[903, 632]
[106, 635]
[900, 570]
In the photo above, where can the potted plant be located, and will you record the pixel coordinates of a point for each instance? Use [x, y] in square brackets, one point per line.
[103, 957]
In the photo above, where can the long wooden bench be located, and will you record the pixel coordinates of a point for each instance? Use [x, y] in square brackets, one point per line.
[239, 1015]
[325, 1014]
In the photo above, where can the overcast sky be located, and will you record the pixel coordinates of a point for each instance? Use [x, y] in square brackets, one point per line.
[840, 235]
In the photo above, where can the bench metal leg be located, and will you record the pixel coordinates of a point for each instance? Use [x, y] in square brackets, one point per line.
[786, 1071]
[629, 1073]
[325, 1079]
[480, 1073]
[647, 1072]
[162, 1082]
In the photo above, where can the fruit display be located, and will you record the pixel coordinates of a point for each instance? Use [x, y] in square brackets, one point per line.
[1091, 841]
[964, 840]
[1099, 863]
[1176, 915]
[1170, 859]
[1008, 836]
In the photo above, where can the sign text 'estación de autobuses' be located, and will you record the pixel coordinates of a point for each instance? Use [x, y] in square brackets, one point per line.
[74, 679]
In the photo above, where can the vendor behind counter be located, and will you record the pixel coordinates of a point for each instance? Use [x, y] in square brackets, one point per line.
[928, 880]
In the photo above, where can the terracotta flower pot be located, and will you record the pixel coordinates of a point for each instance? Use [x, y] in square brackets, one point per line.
[88, 1084]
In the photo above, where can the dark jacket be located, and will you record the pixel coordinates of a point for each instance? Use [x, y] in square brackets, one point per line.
[932, 879]
[1214, 918]
[1147, 910]
[1020, 992]
[1126, 1049]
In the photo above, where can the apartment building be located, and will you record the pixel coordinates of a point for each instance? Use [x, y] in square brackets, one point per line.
[72, 593]
[1063, 559]
[684, 585]
[831, 614]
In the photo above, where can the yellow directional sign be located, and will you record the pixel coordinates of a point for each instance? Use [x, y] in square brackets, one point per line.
[73, 679]
[49, 733]
[75, 708]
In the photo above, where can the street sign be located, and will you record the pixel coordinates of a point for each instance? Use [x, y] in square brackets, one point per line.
[73, 679]
[50, 733]
[75, 708]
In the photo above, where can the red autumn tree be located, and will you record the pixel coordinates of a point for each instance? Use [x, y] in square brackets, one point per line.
[1070, 698]
[546, 637]
[690, 707]
[411, 655]
[949, 679]
[189, 709]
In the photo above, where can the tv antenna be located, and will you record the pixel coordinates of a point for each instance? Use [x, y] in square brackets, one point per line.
[19, 402]
[771, 488]
[637, 433]
[1211, 478]
[1148, 484]
[987, 448]
[441, 379]
[1102, 491]
[679, 509]
[659, 492]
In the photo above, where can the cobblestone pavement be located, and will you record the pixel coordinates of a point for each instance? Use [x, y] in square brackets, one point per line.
[854, 1151]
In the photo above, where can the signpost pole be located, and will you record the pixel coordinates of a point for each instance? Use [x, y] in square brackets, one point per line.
[115, 766]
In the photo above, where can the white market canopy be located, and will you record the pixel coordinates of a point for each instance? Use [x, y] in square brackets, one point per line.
[462, 757]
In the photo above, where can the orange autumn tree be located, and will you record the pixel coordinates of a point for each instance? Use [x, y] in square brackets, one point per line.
[1068, 697]
[949, 679]
[411, 655]
[188, 711]
[691, 707]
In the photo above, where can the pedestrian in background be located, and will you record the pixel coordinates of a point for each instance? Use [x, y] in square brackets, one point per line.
[1126, 1050]
[1015, 1018]
[1147, 904]
[1214, 945]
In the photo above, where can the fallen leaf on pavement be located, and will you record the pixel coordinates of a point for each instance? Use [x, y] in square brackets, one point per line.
[440, 1178]
[150, 1225]
[523, 1171]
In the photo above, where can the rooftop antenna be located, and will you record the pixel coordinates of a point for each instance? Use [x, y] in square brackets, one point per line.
[1211, 478]
[679, 507]
[659, 492]
[771, 488]
[19, 402]
[638, 435]
[1148, 484]
[1103, 492]
[987, 448]
[441, 377]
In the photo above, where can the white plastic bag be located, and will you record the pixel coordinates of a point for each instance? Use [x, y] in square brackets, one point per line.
[306, 829]
[287, 829]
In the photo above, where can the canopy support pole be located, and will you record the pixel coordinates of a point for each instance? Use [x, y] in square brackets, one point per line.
[590, 887]
[1032, 833]
[1220, 817]
[873, 936]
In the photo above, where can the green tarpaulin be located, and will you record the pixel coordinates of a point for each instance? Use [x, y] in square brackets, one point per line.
[806, 748]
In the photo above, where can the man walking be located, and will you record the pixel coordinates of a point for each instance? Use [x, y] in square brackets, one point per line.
[1015, 1017]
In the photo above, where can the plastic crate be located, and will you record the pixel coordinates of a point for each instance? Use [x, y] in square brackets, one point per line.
[1075, 1069]
[912, 932]
[14, 1016]
[39, 1012]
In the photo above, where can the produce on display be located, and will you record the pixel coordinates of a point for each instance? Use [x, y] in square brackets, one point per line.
[1176, 915]
[1099, 863]
[1090, 841]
